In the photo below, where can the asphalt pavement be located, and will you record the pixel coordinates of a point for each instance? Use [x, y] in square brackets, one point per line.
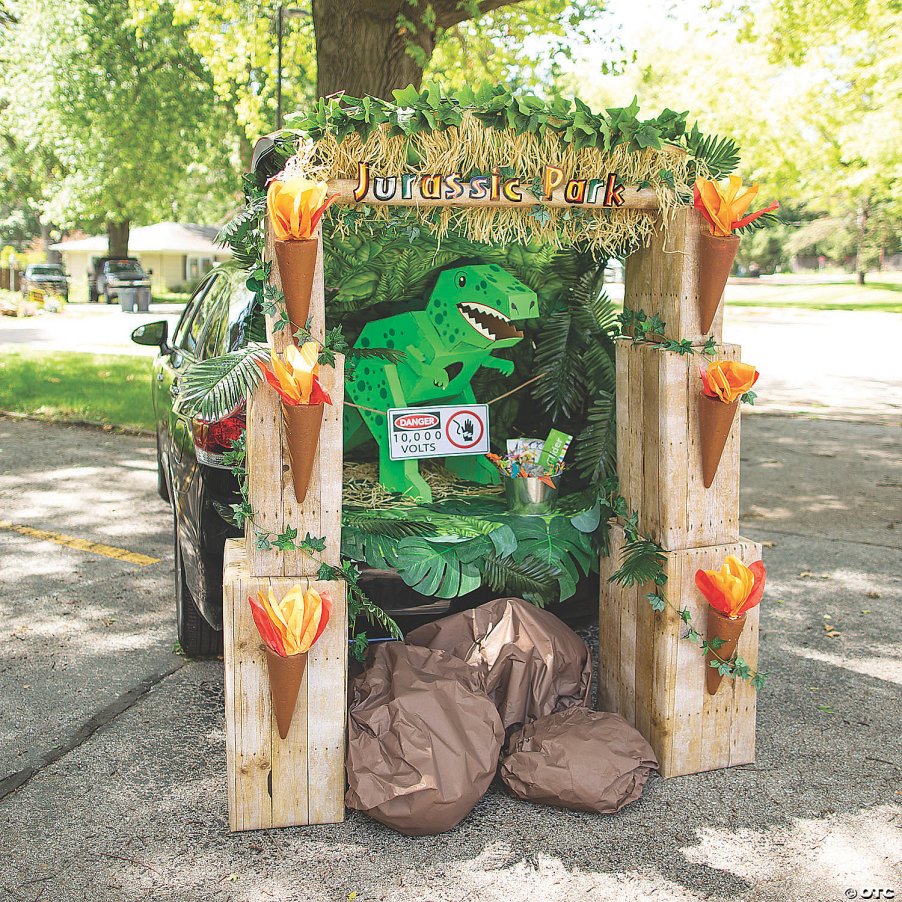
[112, 747]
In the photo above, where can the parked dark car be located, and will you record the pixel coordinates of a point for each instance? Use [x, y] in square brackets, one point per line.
[108, 274]
[50, 278]
[189, 453]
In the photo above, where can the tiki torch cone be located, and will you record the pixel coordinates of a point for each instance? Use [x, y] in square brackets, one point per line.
[302, 427]
[285, 677]
[714, 420]
[297, 260]
[721, 627]
[715, 259]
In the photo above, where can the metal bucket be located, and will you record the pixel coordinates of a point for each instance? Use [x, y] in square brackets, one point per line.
[529, 495]
[127, 299]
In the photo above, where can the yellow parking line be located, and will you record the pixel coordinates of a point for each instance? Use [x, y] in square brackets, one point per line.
[130, 557]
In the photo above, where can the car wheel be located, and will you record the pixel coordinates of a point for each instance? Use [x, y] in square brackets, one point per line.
[162, 483]
[196, 637]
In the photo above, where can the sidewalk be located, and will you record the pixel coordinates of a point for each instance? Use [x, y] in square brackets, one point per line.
[119, 744]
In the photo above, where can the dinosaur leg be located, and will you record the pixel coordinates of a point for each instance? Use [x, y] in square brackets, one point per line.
[471, 467]
[355, 430]
[396, 475]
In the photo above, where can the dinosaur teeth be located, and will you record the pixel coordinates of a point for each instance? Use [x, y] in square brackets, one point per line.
[489, 323]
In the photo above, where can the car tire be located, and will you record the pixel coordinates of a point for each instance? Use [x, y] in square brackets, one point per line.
[196, 637]
[162, 482]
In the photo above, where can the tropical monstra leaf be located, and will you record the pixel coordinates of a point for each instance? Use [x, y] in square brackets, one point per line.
[558, 545]
[213, 388]
[441, 567]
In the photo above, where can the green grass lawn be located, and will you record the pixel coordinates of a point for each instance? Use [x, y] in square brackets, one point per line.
[72, 387]
[883, 293]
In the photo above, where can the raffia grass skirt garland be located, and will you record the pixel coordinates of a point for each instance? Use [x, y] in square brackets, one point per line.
[471, 147]
[362, 489]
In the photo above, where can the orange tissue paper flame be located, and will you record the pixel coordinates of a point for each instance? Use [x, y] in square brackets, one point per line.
[735, 588]
[728, 379]
[296, 380]
[291, 626]
[724, 207]
[296, 205]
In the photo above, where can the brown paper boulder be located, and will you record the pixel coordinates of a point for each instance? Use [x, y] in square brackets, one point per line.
[531, 663]
[581, 759]
[715, 419]
[303, 424]
[423, 740]
[721, 627]
[285, 677]
[297, 261]
[715, 260]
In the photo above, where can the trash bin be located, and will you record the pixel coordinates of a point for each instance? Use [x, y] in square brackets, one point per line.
[143, 300]
[127, 299]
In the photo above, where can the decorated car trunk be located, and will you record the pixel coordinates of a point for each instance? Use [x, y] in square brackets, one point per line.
[448, 394]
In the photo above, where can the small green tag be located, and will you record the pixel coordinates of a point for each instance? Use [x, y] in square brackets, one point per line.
[554, 449]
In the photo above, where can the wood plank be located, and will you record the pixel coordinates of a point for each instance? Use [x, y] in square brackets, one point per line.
[659, 453]
[662, 278]
[633, 198]
[271, 492]
[689, 730]
[608, 697]
[298, 780]
[247, 701]
[326, 692]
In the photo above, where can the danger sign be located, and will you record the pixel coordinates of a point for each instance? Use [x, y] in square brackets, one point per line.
[415, 432]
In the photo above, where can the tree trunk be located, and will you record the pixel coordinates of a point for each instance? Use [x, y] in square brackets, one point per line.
[46, 240]
[375, 46]
[860, 259]
[117, 238]
[360, 48]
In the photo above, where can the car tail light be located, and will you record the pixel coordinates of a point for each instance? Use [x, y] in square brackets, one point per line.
[212, 438]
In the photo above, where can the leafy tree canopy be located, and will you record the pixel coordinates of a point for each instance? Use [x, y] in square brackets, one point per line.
[112, 118]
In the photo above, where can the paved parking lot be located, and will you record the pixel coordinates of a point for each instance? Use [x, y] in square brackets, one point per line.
[112, 755]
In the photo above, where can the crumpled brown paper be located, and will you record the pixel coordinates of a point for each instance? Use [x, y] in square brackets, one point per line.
[423, 740]
[579, 758]
[531, 662]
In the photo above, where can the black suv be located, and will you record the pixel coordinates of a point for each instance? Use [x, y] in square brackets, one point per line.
[108, 274]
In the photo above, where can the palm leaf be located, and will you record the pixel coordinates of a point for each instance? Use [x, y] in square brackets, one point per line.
[594, 456]
[213, 388]
[372, 524]
[640, 562]
[720, 156]
[527, 578]
[557, 355]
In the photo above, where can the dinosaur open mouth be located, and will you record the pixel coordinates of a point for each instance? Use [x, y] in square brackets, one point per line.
[488, 323]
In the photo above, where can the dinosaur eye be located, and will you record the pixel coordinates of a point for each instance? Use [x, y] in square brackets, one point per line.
[461, 281]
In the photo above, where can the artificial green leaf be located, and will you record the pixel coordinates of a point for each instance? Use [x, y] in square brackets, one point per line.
[433, 566]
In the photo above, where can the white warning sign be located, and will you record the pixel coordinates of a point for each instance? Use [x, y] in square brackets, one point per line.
[415, 432]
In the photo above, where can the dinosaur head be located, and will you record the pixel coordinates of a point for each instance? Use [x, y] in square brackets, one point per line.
[475, 305]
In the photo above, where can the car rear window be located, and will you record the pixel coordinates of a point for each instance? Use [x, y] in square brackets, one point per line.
[229, 312]
[46, 270]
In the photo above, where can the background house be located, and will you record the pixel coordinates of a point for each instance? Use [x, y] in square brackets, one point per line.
[179, 253]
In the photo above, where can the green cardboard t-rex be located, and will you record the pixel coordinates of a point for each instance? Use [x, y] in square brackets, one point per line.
[468, 316]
